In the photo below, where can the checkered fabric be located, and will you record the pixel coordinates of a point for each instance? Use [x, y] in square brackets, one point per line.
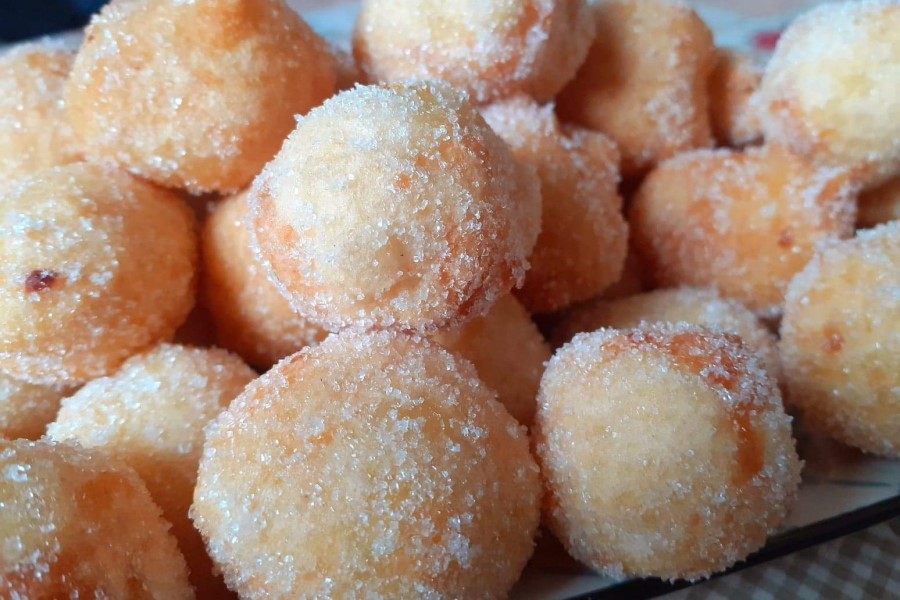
[863, 565]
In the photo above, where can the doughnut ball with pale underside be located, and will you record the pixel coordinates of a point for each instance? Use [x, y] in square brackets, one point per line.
[840, 341]
[490, 49]
[733, 114]
[75, 524]
[743, 223]
[696, 306]
[832, 88]
[251, 316]
[645, 81]
[508, 352]
[395, 206]
[34, 132]
[380, 465]
[196, 95]
[150, 415]
[27, 408]
[95, 266]
[879, 204]
[584, 238]
[665, 449]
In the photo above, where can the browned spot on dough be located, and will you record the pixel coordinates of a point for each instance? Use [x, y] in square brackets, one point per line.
[834, 342]
[786, 238]
[40, 280]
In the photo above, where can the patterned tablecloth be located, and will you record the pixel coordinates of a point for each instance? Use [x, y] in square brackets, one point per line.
[865, 564]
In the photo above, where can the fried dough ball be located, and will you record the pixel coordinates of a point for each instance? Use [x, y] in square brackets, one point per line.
[150, 415]
[644, 82]
[666, 451]
[34, 133]
[701, 307]
[380, 465]
[732, 84]
[832, 88]
[840, 340]
[95, 266]
[347, 72]
[26, 408]
[584, 238]
[508, 352]
[742, 222]
[251, 316]
[197, 95]
[490, 49]
[75, 525]
[880, 204]
[395, 206]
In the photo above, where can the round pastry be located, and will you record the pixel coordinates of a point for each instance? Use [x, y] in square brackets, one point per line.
[380, 465]
[645, 81]
[665, 449]
[733, 115]
[95, 266]
[34, 133]
[832, 88]
[840, 340]
[395, 206]
[584, 238]
[197, 95]
[490, 49]
[74, 524]
[741, 222]
[150, 415]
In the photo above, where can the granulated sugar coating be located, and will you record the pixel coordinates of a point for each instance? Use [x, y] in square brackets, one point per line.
[584, 238]
[490, 49]
[742, 222]
[396, 206]
[195, 94]
[251, 316]
[666, 451]
[840, 340]
[76, 525]
[645, 81]
[832, 88]
[734, 118]
[373, 465]
[701, 307]
[33, 130]
[150, 415]
[880, 204]
[95, 266]
[508, 352]
[26, 408]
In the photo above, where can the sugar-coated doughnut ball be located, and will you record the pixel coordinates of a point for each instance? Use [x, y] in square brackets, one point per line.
[34, 133]
[150, 415]
[251, 316]
[370, 465]
[490, 49]
[644, 82]
[741, 222]
[832, 88]
[696, 306]
[74, 524]
[95, 266]
[395, 206]
[733, 115]
[665, 449]
[347, 72]
[584, 238]
[879, 204]
[840, 340]
[508, 352]
[26, 408]
[197, 95]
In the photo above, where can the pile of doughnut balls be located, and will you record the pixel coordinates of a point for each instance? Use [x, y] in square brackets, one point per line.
[267, 309]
